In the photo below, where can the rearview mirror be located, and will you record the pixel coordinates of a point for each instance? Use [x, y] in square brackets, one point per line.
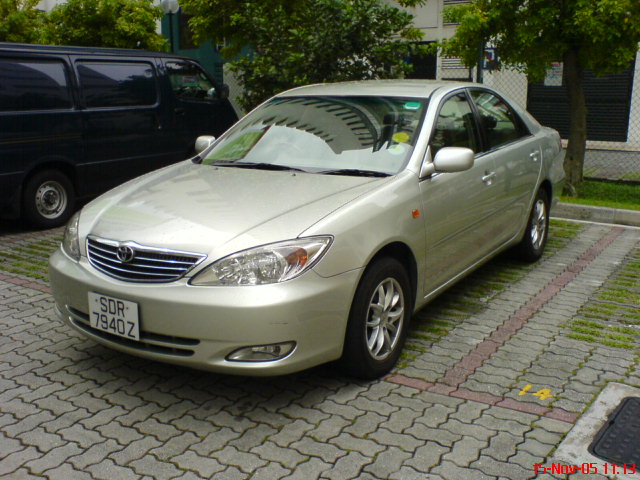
[449, 160]
[203, 142]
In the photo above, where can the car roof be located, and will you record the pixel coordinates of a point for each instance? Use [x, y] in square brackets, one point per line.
[392, 88]
[73, 50]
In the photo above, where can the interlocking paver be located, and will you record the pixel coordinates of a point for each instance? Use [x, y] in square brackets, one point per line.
[115, 416]
[203, 466]
[41, 439]
[94, 454]
[53, 458]
[311, 470]
[247, 462]
[151, 466]
[107, 470]
[287, 457]
[347, 467]
[66, 472]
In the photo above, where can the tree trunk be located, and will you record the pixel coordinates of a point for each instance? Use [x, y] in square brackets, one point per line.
[574, 159]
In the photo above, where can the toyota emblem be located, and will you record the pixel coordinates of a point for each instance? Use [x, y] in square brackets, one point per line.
[125, 253]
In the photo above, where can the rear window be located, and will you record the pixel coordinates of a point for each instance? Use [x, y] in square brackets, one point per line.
[117, 84]
[33, 85]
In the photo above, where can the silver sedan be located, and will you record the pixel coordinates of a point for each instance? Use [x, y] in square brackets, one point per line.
[312, 229]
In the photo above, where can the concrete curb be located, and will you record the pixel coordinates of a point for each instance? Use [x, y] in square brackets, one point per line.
[597, 214]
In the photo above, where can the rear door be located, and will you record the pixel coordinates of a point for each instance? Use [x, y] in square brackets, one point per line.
[123, 125]
[517, 157]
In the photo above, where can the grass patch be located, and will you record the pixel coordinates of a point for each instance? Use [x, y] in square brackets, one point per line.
[606, 194]
[30, 260]
[605, 342]
[612, 317]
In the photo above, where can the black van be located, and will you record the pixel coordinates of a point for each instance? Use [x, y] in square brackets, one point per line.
[76, 121]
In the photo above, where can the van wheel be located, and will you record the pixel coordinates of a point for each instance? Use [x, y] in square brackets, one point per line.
[534, 241]
[378, 320]
[48, 199]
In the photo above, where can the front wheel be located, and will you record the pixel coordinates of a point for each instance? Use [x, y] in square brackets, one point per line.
[378, 320]
[532, 245]
[48, 199]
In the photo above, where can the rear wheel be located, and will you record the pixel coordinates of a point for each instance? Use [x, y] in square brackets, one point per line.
[48, 199]
[534, 241]
[378, 320]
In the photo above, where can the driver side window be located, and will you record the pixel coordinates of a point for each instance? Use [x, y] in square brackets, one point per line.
[455, 125]
[189, 82]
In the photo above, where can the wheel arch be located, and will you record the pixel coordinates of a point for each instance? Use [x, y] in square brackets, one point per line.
[401, 252]
[546, 187]
[52, 163]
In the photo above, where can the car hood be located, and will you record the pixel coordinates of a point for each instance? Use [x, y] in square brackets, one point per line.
[201, 208]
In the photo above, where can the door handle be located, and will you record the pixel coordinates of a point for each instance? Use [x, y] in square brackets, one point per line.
[178, 111]
[534, 156]
[488, 177]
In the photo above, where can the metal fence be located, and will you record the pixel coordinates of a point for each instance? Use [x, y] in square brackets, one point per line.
[614, 113]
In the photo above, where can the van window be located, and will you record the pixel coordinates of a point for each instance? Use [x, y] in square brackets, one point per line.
[189, 82]
[33, 85]
[111, 84]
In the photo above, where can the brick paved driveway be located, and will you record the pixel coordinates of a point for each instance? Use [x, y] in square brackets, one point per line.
[495, 373]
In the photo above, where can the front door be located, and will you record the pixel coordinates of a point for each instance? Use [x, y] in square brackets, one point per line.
[459, 208]
[200, 108]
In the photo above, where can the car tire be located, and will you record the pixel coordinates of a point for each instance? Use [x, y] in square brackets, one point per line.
[534, 241]
[48, 199]
[377, 328]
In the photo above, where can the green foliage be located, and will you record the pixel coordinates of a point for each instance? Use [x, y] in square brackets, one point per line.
[601, 35]
[105, 23]
[530, 34]
[20, 21]
[306, 41]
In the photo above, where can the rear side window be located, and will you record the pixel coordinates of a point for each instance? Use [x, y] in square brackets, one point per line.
[501, 125]
[33, 85]
[117, 84]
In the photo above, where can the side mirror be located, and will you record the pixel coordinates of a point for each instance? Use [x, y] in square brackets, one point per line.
[203, 142]
[223, 91]
[449, 160]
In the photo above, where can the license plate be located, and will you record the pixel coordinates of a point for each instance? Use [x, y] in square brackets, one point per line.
[114, 315]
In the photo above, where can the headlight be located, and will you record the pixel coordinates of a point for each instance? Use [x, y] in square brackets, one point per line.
[70, 243]
[274, 263]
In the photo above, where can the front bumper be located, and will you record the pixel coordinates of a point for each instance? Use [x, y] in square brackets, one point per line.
[199, 326]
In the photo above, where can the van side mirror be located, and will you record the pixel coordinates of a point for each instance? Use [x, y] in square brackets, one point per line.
[203, 142]
[223, 91]
[218, 93]
[449, 160]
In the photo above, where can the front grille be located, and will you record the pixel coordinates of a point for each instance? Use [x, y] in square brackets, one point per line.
[149, 342]
[147, 265]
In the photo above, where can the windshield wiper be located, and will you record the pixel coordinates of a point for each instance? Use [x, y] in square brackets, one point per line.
[257, 166]
[355, 172]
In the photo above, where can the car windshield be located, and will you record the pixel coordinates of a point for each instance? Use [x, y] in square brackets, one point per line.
[350, 135]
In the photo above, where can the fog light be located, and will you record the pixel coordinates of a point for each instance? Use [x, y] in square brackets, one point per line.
[262, 353]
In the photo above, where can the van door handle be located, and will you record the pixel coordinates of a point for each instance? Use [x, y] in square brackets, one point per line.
[178, 111]
[534, 155]
[488, 177]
